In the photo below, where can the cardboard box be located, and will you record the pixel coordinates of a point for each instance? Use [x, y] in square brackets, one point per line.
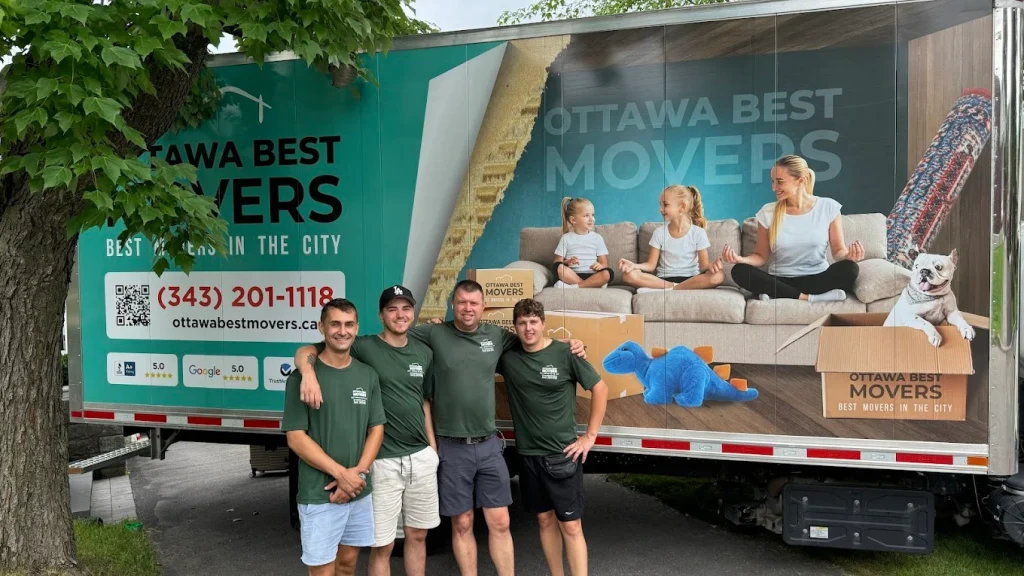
[891, 373]
[503, 287]
[500, 317]
[601, 333]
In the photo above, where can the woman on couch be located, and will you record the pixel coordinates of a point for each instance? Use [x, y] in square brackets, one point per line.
[793, 233]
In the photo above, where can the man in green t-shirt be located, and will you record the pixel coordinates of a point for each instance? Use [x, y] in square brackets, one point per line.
[336, 446]
[540, 377]
[405, 471]
[472, 473]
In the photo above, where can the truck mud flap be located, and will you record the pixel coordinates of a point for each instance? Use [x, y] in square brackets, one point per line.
[859, 518]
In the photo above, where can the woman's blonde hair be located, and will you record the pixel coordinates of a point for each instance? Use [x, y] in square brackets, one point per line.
[696, 207]
[797, 168]
[569, 207]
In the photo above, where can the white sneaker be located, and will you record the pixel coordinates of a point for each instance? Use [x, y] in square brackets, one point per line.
[561, 284]
[644, 290]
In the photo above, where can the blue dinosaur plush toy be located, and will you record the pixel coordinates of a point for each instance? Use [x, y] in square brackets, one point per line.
[679, 375]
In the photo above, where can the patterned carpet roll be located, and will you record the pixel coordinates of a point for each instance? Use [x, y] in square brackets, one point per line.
[935, 185]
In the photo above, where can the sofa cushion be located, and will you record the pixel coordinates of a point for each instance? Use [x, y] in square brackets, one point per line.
[789, 311]
[609, 299]
[538, 244]
[720, 233]
[879, 279]
[719, 306]
[879, 306]
[543, 276]
[868, 228]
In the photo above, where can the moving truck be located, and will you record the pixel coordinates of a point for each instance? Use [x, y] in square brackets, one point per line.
[852, 434]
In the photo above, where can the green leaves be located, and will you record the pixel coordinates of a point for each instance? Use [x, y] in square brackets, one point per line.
[106, 108]
[65, 120]
[145, 45]
[45, 87]
[61, 49]
[56, 175]
[119, 55]
[109, 165]
[78, 12]
[168, 28]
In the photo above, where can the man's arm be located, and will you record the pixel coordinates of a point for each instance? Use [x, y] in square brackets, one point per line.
[584, 374]
[430, 425]
[311, 452]
[305, 360]
[374, 438]
[598, 403]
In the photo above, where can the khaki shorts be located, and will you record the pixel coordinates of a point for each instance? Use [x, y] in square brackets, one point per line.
[405, 486]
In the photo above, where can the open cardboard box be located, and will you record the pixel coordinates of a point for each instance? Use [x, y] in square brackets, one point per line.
[601, 332]
[891, 373]
[503, 287]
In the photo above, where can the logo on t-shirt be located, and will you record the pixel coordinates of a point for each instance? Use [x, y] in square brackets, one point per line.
[359, 396]
[486, 346]
[415, 370]
[549, 372]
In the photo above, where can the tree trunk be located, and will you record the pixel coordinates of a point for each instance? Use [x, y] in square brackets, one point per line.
[36, 255]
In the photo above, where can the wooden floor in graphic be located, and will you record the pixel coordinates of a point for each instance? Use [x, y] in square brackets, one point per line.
[789, 403]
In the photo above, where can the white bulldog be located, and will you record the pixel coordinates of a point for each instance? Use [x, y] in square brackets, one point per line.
[928, 299]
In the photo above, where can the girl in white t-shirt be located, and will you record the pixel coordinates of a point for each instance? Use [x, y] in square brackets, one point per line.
[793, 234]
[581, 257]
[678, 259]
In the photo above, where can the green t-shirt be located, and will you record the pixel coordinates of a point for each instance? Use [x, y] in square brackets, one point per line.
[542, 394]
[462, 388]
[403, 374]
[352, 406]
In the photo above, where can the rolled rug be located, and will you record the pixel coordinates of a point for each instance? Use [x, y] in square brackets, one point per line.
[935, 185]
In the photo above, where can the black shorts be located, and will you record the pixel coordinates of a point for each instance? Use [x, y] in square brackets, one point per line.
[584, 275]
[676, 279]
[542, 492]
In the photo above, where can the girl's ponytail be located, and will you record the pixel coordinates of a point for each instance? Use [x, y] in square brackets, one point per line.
[565, 216]
[697, 209]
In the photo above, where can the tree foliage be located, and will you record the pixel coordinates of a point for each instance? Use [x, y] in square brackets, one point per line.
[81, 87]
[546, 10]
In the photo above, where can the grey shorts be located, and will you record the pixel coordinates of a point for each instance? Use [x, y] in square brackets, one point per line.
[472, 476]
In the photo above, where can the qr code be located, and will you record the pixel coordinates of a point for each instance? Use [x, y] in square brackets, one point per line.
[132, 304]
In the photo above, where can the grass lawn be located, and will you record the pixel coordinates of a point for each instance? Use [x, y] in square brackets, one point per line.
[957, 551]
[113, 550]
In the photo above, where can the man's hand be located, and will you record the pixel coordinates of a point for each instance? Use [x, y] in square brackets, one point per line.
[435, 320]
[348, 483]
[337, 495]
[580, 448]
[577, 348]
[309, 391]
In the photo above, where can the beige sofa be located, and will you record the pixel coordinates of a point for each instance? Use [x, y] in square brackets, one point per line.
[741, 328]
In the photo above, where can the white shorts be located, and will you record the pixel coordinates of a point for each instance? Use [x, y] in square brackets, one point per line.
[407, 484]
[324, 527]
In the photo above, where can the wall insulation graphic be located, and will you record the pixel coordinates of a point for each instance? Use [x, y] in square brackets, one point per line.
[436, 256]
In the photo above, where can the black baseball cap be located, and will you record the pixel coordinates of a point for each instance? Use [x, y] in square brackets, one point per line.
[393, 292]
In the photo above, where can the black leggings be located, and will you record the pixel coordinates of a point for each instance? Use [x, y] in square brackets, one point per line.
[841, 274]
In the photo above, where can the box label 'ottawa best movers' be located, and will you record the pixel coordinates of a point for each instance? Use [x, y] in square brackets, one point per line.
[890, 373]
[503, 287]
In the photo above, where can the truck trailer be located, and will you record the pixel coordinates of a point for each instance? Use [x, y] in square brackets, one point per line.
[454, 162]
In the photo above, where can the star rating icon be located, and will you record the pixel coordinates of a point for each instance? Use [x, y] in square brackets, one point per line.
[159, 375]
[232, 378]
